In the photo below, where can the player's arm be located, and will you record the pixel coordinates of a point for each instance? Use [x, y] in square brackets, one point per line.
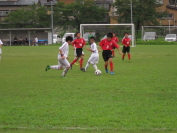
[101, 45]
[73, 44]
[61, 52]
[118, 48]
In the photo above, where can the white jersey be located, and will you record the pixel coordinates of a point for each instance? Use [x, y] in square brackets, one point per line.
[93, 47]
[1, 42]
[65, 50]
[36, 39]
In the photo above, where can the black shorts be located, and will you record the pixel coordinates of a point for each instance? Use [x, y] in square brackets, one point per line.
[106, 54]
[78, 52]
[126, 49]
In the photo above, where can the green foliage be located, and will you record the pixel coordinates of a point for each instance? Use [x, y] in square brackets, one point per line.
[144, 12]
[79, 12]
[140, 97]
[34, 16]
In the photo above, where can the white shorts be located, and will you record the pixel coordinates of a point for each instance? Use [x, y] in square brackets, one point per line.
[63, 63]
[76, 54]
[94, 58]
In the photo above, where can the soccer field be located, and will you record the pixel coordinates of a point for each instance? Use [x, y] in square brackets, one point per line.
[140, 97]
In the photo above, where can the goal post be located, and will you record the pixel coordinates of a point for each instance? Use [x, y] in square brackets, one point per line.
[100, 30]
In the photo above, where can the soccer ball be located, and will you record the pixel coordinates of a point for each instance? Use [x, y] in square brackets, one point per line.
[98, 73]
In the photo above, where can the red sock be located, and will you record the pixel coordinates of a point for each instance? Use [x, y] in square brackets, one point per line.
[106, 66]
[123, 56]
[74, 61]
[113, 53]
[111, 66]
[129, 57]
[81, 62]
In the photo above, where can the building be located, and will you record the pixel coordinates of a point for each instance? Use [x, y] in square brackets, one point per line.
[171, 8]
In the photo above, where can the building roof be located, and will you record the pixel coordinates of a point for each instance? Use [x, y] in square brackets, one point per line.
[18, 2]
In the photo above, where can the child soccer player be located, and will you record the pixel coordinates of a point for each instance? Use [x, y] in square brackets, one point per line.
[107, 45]
[94, 58]
[126, 46]
[79, 43]
[62, 58]
[116, 39]
[1, 43]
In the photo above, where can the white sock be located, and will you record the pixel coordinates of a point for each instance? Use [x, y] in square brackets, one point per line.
[54, 67]
[87, 65]
[65, 72]
[0, 51]
[95, 66]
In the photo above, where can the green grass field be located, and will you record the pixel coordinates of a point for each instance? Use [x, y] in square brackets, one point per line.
[140, 97]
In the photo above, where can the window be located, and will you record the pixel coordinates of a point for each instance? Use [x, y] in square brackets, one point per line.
[4, 13]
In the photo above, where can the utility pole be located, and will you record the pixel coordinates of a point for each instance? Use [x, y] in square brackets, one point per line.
[52, 18]
[131, 11]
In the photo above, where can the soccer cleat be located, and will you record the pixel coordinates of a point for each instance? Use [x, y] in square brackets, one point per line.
[47, 68]
[82, 69]
[112, 73]
[106, 70]
[71, 66]
[76, 64]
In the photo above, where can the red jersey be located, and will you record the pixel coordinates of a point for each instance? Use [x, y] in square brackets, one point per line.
[115, 39]
[108, 45]
[79, 43]
[126, 41]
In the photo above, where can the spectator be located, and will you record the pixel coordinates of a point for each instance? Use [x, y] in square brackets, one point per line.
[15, 41]
[21, 41]
[35, 42]
[26, 40]
[1, 43]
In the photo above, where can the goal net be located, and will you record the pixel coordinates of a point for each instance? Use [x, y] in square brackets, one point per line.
[100, 31]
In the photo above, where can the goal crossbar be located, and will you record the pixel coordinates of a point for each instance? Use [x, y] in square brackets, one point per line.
[132, 29]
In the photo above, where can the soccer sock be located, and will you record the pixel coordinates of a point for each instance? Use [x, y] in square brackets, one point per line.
[123, 56]
[65, 72]
[81, 62]
[129, 56]
[95, 66]
[111, 66]
[106, 66]
[87, 65]
[0, 51]
[54, 67]
[112, 53]
[74, 61]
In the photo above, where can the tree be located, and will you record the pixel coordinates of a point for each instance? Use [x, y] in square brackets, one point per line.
[34, 16]
[79, 12]
[145, 12]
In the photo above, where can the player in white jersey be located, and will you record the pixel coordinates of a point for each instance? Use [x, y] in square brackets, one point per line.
[94, 58]
[1, 43]
[62, 58]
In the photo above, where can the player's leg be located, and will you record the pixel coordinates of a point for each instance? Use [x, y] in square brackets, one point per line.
[87, 66]
[81, 63]
[56, 67]
[66, 64]
[111, 65]
[124, 52]
[113, 53]
[0, 51]
[75, 56]
[128, 51]
[105, 58]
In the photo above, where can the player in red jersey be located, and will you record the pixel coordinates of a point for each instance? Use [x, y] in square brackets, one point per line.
[126, 41]
[78, 44]
[116, 39]
[107, 45]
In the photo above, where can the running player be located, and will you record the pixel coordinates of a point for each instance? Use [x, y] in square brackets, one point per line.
[79, 43]
[94, 58]
[116, 39]
[107, 45]
[62, 58]
[126, 41]
[1, 43]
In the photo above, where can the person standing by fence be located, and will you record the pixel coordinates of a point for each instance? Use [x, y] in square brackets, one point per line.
[1, 43]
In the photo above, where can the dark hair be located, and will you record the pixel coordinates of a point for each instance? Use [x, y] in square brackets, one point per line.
[110, 35]
[126, 33]
[76, 34]
[92, 37]
[69, 38]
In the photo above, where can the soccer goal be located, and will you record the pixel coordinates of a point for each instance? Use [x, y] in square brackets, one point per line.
[100, 31]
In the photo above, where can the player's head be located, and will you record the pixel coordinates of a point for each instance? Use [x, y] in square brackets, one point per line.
[78, 35]
[90, 32]
[69, 39]
[109, 36]
[114, 34]
[92, 40]
[126, 34]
